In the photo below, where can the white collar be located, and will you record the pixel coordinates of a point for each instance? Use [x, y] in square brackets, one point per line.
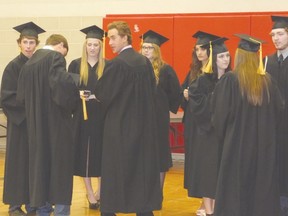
[126, 47]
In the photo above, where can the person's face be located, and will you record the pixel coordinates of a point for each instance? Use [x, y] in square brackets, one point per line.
[27, 46]
[201, 53]
[93, 47]
[279, 38]
[116, 42]
[147, 50]
[223, 60]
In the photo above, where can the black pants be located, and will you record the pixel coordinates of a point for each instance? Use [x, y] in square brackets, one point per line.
[138, 214]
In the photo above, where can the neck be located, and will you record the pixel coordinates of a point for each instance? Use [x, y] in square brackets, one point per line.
[220, 73]
[92, 61]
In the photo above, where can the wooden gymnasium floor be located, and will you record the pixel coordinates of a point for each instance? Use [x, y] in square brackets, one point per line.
[176, 202]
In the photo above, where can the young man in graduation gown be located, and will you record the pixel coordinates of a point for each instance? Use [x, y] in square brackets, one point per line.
[277, 66]
[49, 95]
[16, 188]
[130, 164]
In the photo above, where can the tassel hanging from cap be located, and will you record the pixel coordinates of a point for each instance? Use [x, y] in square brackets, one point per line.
[208, 67]
[103, 45]
[260, 69]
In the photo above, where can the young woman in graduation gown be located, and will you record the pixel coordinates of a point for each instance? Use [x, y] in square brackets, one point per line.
[199, 59]
[246, 109]
[205, 150]
[167, 95]
[87, 131]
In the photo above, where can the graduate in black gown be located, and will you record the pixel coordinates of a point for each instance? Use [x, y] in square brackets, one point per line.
[88, 131]
[199, 59]
[130, 180]
[246, 108]
[49, 95]
[205, 149]
[277, 66]
[167, 95]
[16, 187]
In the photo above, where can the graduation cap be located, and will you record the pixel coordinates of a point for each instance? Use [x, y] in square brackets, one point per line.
[252, 44]
[249, 43]
[279, 22]
[94, 32]
[153, 37]
[204, 37]
[29, 29]
[206, 41]
[219, 46]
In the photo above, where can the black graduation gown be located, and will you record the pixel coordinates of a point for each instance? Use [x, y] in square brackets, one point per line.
[248, 174]
[280, 75]
[16, 187]
[167, 99]
[87, 133]
[49, 94]
[130, 163]
[189, 136]
[204, 151]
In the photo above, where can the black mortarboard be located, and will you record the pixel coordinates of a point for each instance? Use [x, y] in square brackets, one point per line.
[153, 37]
[29, 29]
[252, 44]
[219, 46]
[93, 32]
[279, 22]
[249, 43]
[204, 37]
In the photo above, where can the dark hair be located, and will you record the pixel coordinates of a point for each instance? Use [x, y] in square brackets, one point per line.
[55, 39]
[122, 28]
[215, 68]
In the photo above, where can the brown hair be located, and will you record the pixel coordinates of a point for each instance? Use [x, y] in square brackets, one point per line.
[28, 37]
[252, 84]
[55, 39]
[122, 28]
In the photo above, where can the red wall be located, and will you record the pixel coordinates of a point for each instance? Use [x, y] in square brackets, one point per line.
[179, 28]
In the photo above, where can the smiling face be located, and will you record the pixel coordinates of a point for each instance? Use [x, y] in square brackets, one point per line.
[280, 38]
[27, 46]
[116, 42]
[223, 60]
[93, 47]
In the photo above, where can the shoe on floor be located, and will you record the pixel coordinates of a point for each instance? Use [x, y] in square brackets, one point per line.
[17, 212]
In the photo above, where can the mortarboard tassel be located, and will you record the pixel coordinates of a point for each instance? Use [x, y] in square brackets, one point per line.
[103, 46]
[208, 67]
[260, 69]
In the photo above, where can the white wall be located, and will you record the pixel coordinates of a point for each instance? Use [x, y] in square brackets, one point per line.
[11, 8]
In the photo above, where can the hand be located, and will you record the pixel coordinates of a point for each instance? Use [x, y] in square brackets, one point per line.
[84, 95]
[186, 94]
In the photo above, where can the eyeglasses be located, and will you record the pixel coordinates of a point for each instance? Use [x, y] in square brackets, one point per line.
[147, 48]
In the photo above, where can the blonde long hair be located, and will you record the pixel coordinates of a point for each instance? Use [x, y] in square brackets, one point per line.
[84, 65]
[252, 84]
[158, 62]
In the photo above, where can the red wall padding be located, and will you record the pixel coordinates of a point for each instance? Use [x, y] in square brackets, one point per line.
[179, 28]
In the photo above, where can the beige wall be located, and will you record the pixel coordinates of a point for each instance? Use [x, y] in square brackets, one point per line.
[67, 26]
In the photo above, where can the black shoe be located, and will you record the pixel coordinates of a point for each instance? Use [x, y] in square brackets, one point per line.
[94, 206]
[17, 212]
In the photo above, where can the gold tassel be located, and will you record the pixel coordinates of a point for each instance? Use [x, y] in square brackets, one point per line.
[260, 69]
[208, 67]
[103, 46]
[84, 109]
